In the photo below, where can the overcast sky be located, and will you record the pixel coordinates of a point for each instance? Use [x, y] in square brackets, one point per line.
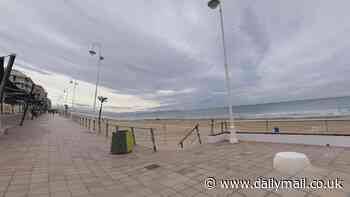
[167, 54]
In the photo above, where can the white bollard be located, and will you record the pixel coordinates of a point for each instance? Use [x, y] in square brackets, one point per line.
[290, 162]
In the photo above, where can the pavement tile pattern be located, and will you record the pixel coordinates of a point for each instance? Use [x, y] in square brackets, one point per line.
[54, 157]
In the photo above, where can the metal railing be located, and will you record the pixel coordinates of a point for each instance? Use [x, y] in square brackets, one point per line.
[141, 136]
[170, 133]
[195, 128]
[326, 126]
[92, 123]
[223, 126]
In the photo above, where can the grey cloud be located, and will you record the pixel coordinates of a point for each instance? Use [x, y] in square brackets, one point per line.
[277, 50]
[33, 69]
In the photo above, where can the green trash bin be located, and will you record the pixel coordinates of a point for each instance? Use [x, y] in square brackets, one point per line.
[122, 142]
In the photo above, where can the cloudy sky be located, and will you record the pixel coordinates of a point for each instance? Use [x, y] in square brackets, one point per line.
[166, 54]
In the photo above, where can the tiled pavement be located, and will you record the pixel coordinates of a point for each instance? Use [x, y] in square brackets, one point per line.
[59, 159]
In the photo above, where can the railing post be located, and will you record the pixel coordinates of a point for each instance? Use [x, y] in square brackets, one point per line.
[198, 134]
[107, 128]
[94, 124]
[99, 126]
[89, 124]
[182, 145]
[212, 127]
[225, 125]
[267, 126]
[153, 140]
[222, 126]
[133, 134]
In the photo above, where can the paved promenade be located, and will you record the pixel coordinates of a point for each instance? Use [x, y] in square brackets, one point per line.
[56, 158]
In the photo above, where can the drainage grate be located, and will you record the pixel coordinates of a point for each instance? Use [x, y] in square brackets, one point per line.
[152, 166]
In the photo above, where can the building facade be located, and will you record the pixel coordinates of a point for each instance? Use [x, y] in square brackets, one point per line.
[25, 83]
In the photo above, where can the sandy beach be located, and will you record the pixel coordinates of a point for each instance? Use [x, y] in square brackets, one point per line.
[169, 132]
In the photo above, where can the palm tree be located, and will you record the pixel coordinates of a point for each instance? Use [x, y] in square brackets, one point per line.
[102, 100]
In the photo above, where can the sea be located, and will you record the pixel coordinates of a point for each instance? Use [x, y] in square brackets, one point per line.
[311, 108]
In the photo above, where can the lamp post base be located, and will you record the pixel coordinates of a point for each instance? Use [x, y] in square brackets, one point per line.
[233, 138]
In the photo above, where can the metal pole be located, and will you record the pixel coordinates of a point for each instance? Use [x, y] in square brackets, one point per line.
[133, 134]
[212, 127]
[2, 71]
[198, 135]
[98, 76]
[233, 138]
[73, 98]
[107, 128]
[5, 76]
[99, 118]
[66, 96]
[153, 140]
[222, 126]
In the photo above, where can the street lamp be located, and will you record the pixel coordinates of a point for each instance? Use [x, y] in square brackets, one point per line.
[102, 100]
[65, 92]
[213, 4]
[75, 83]
[93, 52]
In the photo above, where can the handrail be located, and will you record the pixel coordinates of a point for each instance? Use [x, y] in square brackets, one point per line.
[223, 124]
[128, 126]
[85, 122]
[195, 128]
[151, 130]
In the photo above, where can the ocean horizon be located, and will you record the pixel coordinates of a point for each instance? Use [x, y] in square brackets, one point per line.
[335, 106]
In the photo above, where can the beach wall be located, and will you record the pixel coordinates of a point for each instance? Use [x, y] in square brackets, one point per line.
[322, 140]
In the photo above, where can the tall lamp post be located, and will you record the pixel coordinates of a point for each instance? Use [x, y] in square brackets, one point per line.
[213, 4]
[65, 92]
[102, 100]
[93, 52]
[75, 83]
